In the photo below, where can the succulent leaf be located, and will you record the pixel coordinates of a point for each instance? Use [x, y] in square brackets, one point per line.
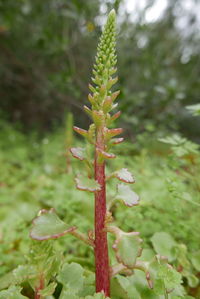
[124, 175]
[115, 141]
[127, 195]
[104, 155]
[78, 153]
[49, 226]
[80, 131]
[88, 110]
[127, 247]
[85, 184]
[109, 133]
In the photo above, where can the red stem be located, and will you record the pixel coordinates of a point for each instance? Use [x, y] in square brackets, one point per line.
[101, 245]
[38, 289]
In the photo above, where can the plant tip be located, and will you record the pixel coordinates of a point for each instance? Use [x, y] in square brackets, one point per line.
[112, 13]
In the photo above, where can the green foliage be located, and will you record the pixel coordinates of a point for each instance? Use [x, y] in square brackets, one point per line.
[46, 267]
[12, 293]
[194, 109]
[49, 185]
[164, 244]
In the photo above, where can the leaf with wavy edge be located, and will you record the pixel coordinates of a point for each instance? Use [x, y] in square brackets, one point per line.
[78, 153]
[127, 246]
[49, 226]
[127, 195]
[123, 175]
[83, 183]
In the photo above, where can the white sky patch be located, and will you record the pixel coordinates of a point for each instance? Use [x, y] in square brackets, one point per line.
[153, 13]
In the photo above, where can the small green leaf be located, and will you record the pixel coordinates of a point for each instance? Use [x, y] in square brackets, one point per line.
[114, 95]
[68, 295]
[164, 278]
[49, 290]
[169, 276]
[110, 118]
[98, 117]
[122, 287]
[13, 292]
[195, 259]
[83, 183]
[109, 133]
[88, 110]
[107, 104]
[78, 153]
[49, 226]
[127, 248]
[23, 273]
[102, 155]
[124, 175]
[164, 244]
[115, 141]
[71, 276]
[129, 197]
[193, 281]
[80, 131]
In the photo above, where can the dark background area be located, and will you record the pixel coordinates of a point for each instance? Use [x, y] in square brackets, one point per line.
[47, 50]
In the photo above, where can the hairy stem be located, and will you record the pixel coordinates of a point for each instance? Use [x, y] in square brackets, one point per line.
[101, 246]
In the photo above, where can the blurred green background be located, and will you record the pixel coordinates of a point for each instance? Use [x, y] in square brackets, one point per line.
[47, 50]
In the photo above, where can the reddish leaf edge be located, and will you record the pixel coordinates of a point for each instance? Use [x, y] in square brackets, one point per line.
[117, 254]
[50, 237]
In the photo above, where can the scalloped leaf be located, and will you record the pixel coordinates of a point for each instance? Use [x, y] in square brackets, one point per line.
[78, 153]
[49, 226]
[127, 195]
[124, 175]
[71, 277]
[127, 248]
[83, 183]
